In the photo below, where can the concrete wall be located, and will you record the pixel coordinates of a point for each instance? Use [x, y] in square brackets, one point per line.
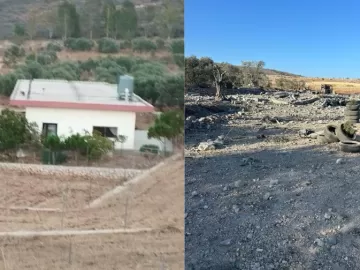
[76, 121]
[141, 139]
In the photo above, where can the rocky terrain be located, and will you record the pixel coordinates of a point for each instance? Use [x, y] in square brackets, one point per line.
[260, 194]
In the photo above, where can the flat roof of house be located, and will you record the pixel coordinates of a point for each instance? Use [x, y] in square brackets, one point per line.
[74, 95]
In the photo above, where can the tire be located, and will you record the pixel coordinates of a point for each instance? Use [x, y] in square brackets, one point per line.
[341, 134]
[351, 107]
[350, 146]
[351, 113]
[352, 119]
[330, 135]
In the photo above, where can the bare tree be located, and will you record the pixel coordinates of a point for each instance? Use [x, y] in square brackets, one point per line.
[218, 73]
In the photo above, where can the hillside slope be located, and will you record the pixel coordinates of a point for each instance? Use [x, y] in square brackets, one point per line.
[273, 72]
[15, 11]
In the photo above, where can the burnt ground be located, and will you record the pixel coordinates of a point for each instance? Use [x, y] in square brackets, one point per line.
[267, 198]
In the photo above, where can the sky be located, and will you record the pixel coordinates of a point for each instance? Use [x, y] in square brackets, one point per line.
[310, 38]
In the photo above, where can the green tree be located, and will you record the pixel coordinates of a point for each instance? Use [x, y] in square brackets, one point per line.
[253, 73]
[109, 19]
[19, 30]
[91, 17]
[169, 125]
[69, 20]
[169, 16]
[126, 21]
[15, 131]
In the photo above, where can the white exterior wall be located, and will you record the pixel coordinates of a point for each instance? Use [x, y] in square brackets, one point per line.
[76, 121]
[141, 138]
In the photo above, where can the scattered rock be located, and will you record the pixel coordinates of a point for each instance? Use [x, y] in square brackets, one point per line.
[274, 182]
[319, 242]
[226, 242]
[236, 208]
[194, 193]
[206, 146]
[327, 216]
[237, 183]
[340, 161]
[332, 241]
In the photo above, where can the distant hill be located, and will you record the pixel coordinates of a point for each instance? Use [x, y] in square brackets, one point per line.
[273, 72]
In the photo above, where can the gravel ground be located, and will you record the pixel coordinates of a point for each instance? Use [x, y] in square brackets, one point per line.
[267, 198]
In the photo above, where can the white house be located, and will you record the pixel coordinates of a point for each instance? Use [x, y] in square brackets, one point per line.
[65, 107]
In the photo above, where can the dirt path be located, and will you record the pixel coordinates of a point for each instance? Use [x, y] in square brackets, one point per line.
[73, 232]
[133, 181]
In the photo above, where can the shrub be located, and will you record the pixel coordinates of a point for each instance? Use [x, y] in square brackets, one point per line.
[32, 70]
[143, 45]
[44, 58]
[171, 91]
[96, 146]
[150, 148]
[88, 65]
[177, 46]
[54, 47]
[64, 70]
[125, 62]
[108, 45]
[160, 43]
[151, 68]
[179, 59]
[79, 44]
[8, 82]
[126, 44]
[12, 54]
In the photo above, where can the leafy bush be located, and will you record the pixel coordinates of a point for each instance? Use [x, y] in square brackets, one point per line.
[150, 68]
[169, 125]
[160, 43]
[12, 54]
[149, 148]
[126, 62]
[79, 44]
[32, 70]
[44, 58]
[64, 70]
[15, 131]
[108, 45]
[8, 82]
[179, 59]
[143, 45]
[290, 84]
[54, 47]
[171, 91]
[76, 143]
[126, 44]
[88, 65]
[177, 46]
[96, 146]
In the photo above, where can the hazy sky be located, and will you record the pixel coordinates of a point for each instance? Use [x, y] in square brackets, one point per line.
[310, 38]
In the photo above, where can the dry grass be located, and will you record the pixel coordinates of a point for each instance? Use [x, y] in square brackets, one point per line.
[154, 203]
[340, 86]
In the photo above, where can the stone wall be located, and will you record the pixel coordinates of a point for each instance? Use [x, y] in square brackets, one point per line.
[69, 171]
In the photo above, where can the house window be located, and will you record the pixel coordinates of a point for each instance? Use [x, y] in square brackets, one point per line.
[108, 132]
[49, 129]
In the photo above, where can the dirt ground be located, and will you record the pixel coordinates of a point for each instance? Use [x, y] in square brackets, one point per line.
[51, 192]
[156, 203]
[267, 198]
